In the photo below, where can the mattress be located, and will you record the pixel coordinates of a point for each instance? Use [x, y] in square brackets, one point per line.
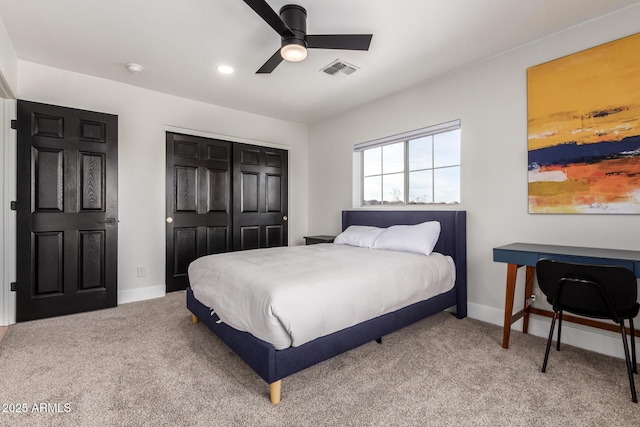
[288, 296]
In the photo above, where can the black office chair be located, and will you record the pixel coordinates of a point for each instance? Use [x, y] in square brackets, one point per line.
[596, 291]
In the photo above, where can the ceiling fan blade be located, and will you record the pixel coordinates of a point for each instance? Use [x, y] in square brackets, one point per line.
[270, 17]
[271, 63]
[340, 41]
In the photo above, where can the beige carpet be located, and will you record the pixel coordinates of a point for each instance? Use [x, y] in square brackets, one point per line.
[146, 364]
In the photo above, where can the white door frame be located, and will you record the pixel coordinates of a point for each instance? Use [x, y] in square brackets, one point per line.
[8, 139]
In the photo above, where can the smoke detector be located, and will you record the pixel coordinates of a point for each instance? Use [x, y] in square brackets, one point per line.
[339, 68]
[134, 68]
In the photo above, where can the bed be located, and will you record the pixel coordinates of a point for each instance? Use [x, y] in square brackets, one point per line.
[273, 364]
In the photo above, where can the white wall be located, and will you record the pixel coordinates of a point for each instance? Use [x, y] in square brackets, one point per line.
[143, 116]
[8, 84]
[490, 99]
[8, 65]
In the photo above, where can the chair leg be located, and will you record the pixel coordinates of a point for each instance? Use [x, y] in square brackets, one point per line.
[546, 353]
[633, 346]
[559, 330]
[634, 398]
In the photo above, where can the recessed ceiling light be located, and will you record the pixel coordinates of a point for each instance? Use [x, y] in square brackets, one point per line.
[225, 69]
[134, 68]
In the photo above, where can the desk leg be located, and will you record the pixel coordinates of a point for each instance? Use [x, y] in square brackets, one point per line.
[528, 290]
[512, 273]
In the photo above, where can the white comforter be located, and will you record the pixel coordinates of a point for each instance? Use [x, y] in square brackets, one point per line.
[288, 296]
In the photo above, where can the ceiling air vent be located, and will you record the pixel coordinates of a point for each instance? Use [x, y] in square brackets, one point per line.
[339, 68]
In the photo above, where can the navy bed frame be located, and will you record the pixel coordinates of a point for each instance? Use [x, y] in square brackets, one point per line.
[273, 365]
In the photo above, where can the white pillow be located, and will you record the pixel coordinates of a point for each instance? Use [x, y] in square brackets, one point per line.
[419, 238]
[358, 235]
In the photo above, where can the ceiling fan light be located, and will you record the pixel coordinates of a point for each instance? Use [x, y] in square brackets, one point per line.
[293, 52]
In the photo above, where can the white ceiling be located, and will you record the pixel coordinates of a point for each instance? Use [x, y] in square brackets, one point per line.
[181, 42]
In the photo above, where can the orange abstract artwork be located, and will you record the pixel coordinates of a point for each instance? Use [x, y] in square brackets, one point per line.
[584, 131]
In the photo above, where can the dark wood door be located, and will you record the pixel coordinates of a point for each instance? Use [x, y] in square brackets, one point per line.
[67, 206]
[198, 203]
[259, 197]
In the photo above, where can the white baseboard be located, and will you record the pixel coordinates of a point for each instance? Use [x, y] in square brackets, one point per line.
[141, 294]
[597, 340]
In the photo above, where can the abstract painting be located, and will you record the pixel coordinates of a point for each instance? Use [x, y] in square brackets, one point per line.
[584, 131]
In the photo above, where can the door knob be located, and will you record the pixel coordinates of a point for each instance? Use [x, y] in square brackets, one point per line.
[284, 218]
[169, 220]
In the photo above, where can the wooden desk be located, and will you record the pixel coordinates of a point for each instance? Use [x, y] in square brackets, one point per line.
[517, 255]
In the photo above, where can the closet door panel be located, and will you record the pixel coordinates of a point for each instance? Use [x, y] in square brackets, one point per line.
[198, 211]
[259, 197]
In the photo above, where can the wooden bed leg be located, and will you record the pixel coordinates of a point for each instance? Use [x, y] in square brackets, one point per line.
[274, 391]
[194, 319]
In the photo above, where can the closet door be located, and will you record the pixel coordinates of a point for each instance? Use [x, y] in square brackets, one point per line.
[259, 197]
[198, 194]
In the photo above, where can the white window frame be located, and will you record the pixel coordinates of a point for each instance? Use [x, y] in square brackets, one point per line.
[405, 137]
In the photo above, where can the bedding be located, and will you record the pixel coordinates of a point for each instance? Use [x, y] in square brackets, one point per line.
[359, 235]
[418, 238]
[289, 296]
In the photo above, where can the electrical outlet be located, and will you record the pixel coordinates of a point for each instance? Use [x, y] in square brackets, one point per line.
[538, 295]
[142, 271]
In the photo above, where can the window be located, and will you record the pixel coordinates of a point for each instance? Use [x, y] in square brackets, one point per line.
[414, 168]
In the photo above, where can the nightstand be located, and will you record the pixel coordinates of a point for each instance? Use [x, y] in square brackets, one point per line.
[312, 240]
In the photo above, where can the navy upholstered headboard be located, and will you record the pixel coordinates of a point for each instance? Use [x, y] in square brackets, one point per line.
[453, 234]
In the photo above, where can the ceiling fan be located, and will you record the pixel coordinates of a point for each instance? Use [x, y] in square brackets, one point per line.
[291, 24]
